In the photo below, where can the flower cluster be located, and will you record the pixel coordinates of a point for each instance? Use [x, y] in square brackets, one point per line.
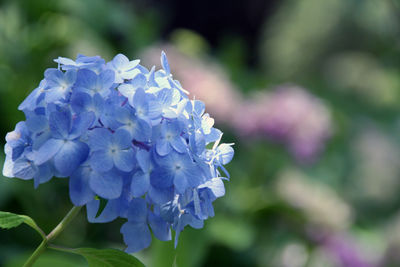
[124, 135]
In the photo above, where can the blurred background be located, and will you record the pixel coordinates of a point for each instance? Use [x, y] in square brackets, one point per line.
[307, 90]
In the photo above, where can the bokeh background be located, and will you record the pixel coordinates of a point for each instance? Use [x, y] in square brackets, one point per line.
[309, 92]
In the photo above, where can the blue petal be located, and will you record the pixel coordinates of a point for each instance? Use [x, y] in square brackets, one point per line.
[161, 177]
[109, 213]
[107, 185]
[44, 174]
[37, 123]
[189, 178]
[143, 159]
[60, 123]
[80, 101]
[79, 189]
[142, 131]
[139, 98]
[86, 81]
[54, 76]
[81, 124]
[179, 144]
[136, 235]
[125, 160]
[140, 183]
[107, 78]
[161, 196]
[70, 156]
[163, 147]
[161, 229]
[47, 151]
[137, 211]
[99, 139]
[101, 161]
[122, 139]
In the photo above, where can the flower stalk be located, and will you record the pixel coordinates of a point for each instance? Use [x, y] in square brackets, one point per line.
[53, 234]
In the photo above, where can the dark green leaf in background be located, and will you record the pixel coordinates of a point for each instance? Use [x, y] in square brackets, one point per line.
[107, 257]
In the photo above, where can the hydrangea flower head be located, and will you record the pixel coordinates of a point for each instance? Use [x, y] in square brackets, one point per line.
[127, 135]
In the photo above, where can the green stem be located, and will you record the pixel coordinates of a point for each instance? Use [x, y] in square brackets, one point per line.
[53, 234]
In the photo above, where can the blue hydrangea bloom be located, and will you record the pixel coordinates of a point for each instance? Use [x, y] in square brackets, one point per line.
[124, 135]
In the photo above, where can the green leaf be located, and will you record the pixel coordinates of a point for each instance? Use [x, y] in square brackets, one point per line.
[10, 220]
[102, 206]
[107, 257]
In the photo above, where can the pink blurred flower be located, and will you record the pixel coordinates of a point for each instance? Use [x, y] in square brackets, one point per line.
[290, 115]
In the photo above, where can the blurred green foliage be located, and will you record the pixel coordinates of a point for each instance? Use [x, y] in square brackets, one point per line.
[345, 51]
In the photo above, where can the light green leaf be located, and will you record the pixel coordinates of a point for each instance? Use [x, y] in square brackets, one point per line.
[10, 220]
[107, 257]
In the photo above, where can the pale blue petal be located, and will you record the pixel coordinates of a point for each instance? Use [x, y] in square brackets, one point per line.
[179, 144]
[24, 169]
[164, 63]
[127, 90]
[163, 147]
[216, 186]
